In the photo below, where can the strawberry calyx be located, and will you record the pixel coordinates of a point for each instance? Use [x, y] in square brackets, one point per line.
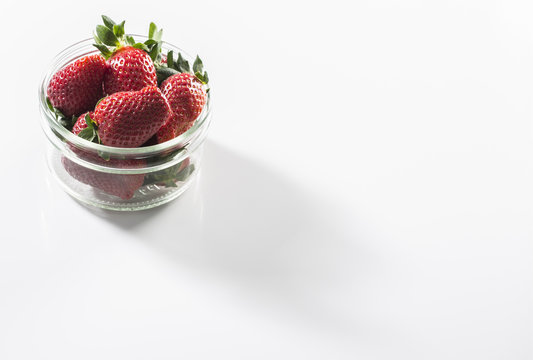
[90, 133]
[65, 121]
[198, 70]
[180, 65]
[111, 37]
[154, 43]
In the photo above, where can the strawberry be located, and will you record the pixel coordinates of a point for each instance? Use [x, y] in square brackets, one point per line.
[130, 64]
[130, 118]
[123, 186]
[129, 69]
[171, 128]
[186, 94]
[77, 87]
[81, 123]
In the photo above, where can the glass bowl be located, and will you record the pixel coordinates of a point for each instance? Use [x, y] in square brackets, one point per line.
[124, 179]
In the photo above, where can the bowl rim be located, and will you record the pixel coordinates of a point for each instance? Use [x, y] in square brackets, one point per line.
[61, 133]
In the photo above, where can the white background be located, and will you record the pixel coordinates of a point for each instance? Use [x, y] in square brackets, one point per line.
[366, 191]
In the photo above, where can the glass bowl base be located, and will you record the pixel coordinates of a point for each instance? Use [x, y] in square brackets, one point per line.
[146, 197]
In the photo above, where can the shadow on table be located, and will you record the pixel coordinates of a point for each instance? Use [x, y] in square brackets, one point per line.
[246, 224]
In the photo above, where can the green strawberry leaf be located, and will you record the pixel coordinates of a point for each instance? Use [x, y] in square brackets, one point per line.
[49, 104]
[130, 40]
[170, 59]
[158, 36]
[198, 66]
[53, 109]
[154, 43]
[108, 22]
[151, 30]
[154, 33]
[163, 73]
[182, 65]
[198, 69]
[104, 50]
[202, 77]
[118, 30]
[141, 46]
[88, 134]
[106, 36]
[150, 42]
[90, 122]
[97, 39]
[66, 122]
[154, 52]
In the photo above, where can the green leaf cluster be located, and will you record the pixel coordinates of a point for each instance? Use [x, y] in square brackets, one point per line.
[90, 133]
[111, 36]
[154, 42]
[180, 65]
[198, 70]
[65, 121]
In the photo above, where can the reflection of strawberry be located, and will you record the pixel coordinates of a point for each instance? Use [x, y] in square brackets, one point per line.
[187, 97]
[123, 186]
[169, 177]
[130, 118]
[77, 87]
[130, 69]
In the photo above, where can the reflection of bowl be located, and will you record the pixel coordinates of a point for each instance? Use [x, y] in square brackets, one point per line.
[120, 178]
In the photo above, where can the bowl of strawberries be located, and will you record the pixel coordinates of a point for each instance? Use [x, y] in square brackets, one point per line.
[126, 117]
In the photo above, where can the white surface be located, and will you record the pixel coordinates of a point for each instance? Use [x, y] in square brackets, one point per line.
[366, 191]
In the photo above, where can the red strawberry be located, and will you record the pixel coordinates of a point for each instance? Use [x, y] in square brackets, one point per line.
[123, 186]
[131, 64]
[130, 69]
[77, 87]
[187, 97]
[171, 129]
[130, 118]
[81, 124]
